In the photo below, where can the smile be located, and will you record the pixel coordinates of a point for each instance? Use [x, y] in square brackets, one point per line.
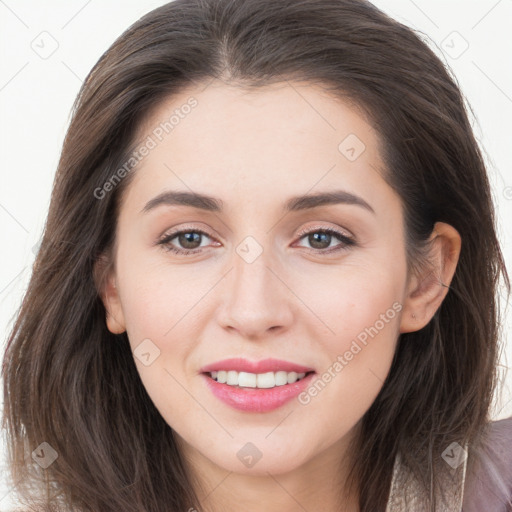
[256, 386]
[256, 380]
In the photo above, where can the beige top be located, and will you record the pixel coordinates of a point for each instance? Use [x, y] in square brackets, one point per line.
[406, 493]
[484, 484]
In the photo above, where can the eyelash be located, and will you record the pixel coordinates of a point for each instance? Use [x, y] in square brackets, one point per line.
[347, 242]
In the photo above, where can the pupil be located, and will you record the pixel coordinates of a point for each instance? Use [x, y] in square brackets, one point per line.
[189, 238]
[316, 239]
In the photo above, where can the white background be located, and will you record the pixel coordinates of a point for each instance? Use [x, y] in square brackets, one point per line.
[36, 95]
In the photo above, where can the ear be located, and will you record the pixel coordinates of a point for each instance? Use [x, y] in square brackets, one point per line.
[105, 279]
[426, 292]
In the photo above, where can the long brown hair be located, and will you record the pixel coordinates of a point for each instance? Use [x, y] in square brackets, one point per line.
[70, 383]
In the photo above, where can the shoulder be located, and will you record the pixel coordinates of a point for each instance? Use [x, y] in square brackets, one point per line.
[488, 484]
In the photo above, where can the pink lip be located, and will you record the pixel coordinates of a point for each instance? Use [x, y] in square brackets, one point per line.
[254, 399]
[266, 365]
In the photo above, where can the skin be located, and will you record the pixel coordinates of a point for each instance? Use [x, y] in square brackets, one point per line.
[253, 150]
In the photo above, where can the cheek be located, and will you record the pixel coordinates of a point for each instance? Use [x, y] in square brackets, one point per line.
[149, 310]
[348, 386]
[363, 314]
[156, 297]
[354, 298]
[362, 310]
[158, 309]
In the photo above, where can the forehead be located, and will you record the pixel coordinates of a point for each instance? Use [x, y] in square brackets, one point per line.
[274, 114]
[284, 139]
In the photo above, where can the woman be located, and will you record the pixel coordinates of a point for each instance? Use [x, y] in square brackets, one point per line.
[268, 276]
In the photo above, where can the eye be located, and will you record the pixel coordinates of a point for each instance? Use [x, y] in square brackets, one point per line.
[320, 240]
[189, 239]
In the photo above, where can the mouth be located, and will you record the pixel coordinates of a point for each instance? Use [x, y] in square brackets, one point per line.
[256, 386]
[267, 380]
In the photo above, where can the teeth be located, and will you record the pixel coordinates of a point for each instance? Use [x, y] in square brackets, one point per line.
[244, 380]
[281, 378]
[232, 379]
[256, 380]
[292, 377]
[266, 380]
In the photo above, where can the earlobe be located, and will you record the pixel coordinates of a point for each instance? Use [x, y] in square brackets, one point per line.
[115, 317]
[427, 291]
[108, 290]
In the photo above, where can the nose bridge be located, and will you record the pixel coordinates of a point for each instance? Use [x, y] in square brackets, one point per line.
[251, 279]
[256, 299]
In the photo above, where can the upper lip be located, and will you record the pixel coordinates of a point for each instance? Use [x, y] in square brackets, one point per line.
[265, 365]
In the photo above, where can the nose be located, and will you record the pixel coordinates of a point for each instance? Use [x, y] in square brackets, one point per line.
[257, 300]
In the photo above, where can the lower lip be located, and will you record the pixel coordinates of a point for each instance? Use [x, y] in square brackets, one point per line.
[256, 399]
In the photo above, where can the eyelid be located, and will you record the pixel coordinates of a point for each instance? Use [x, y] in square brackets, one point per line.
[300, 233]
[164, 241]
[346, 240]
[309, 229]
[185, 228]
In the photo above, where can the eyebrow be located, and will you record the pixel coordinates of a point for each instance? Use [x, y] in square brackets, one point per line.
[294, 204]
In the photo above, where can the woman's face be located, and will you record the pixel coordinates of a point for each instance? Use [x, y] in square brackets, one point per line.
[258, 276]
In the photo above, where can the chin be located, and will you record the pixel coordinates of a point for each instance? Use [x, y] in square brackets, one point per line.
[259, 459]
